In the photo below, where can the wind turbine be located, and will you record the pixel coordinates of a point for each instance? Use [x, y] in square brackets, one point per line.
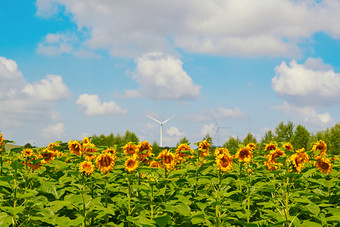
[218, 131]
[161, 129]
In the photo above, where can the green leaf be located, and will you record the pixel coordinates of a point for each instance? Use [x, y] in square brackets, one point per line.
[51, 189]
[310, 224]
[5, 219]
[313, 208]
[162, 221]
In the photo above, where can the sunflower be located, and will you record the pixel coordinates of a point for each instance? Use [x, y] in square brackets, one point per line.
[131, 164]
[129, 148]
[89, 157]
[252, 146]
[270, 146]
[75, 147]
[26, 153]
[36, 165]
[203, 147]
[86, 168]
[111, 151]
[299, 159]
[48, 155]
[154, 164]
[180, 155]
[288, 147]
[2, 140]
[168, 159]
[105, 162]
[143, 150]
[53, 146]
[320, 146]
[244, 154]
[224, 162]
[271, 159]
[85, 140]
[89, 148]
[323, 164]
[221, 151]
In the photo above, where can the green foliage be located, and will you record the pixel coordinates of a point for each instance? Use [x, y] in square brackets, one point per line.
[232, 144]
[184, 140]
[250, 138]
[112, 140]
[284, 132]
[300, 138]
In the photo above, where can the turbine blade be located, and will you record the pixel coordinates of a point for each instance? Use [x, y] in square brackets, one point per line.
[214, 120]
[154, 119]
[168, 119]
[218, 128]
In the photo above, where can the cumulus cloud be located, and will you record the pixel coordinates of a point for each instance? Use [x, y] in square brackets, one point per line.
[23, 103]
[91, 106]
[243, 27]
[51, 88]
[173, 131]
[307, 84]
[306, 115]
[218, 114]
[162, 77]
[208, 129]
[54, 131]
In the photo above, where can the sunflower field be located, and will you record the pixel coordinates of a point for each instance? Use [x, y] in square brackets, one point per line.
[79, 184]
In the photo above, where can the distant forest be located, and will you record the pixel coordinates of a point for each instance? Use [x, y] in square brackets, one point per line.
[297, 135]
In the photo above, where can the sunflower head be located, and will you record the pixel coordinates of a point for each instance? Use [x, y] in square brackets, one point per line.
[89, 148]
[252, 146]
[75, 147]
[204, 145]
[320, 146]
[168, 159]
[48, 155]
[86, 140]
[2, 140]
[105, 162]
[224, 162]
[131, 164]
[129, 148]
[86, 168]
[27, 152]
[323, 164]
[154, 164]
[182, 153]
[53, 147]
[144, 151]
[299, 159]
[244, 154]
[221, 151]
[112, 151]
[288, 147]
[270, 146]
[271, 162]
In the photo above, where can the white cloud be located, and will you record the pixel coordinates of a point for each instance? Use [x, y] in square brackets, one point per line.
[306, 115]
[162, 77]
[173, 131]
[91, 106]
[243, 27]
[306, 84]
[51, 88]
[208, 129]
[54, 131]
[218, 114]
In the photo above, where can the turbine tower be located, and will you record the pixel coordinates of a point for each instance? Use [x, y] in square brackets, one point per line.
[218, 131]
[161, 129]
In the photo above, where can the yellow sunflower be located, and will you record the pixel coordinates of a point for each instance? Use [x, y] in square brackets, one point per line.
[244, 154]
[26, 153]
[143, 150]
[168, 159]
[86, 140]
[252, 146]
[129, 148]
[180, 155]
[323, 164]
[288, 147]
[320, 146]
[271, 159]
[154, 164]
[53, 146]
[221, 151]
[75, 147]
[88, 148]
[105, 162]
[86, 168]
[112, 151]
[131, 164]
[224, 162]
[299, 159]
[48, 155]
[270, 146]
[203, 147]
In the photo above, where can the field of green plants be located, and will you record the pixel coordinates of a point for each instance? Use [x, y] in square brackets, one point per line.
[80, 184]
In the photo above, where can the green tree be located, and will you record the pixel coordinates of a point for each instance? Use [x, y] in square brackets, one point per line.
[156, 149]
[232, 144]
[184, 140]
[284, 132]
[250, 138]
[333, 145]
[268, 137]
[129, 137]
[300, 138]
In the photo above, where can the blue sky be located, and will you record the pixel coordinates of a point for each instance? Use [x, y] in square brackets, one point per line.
[70, 69]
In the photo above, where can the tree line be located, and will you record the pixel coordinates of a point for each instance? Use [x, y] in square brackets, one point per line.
[297, 135]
